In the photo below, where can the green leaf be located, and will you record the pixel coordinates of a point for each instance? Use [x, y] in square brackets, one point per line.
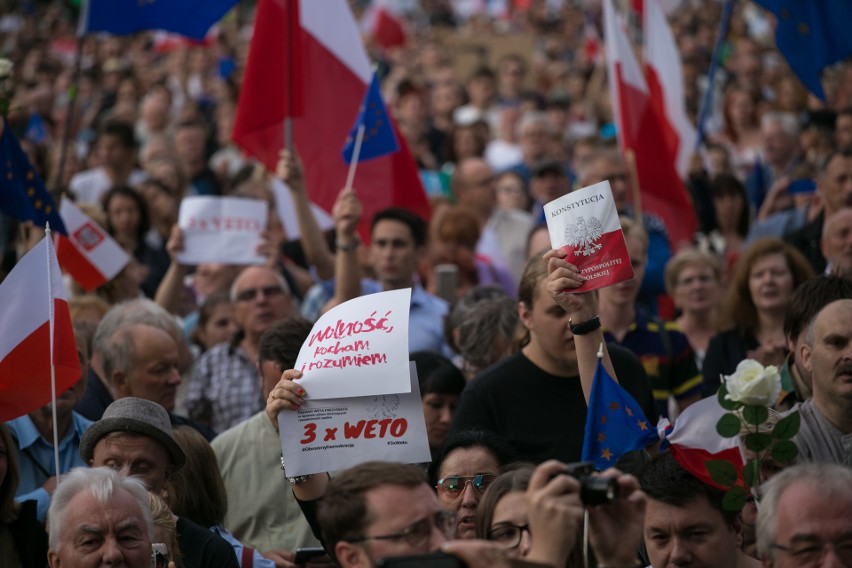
[751, 473]
[787, 427]
[757, 442]
[785, 451]
[722, 472]
[728, 426]
[724, 402]
[735, 499]
[755, 414]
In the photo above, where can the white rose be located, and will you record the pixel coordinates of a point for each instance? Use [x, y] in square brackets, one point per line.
[754, 385]
[5, 68]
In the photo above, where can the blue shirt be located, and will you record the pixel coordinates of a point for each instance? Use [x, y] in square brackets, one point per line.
[35, 457]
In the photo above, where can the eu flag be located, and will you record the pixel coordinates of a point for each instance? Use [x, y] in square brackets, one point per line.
[615, 424]
[812, 35]
[22, 193]
[379, 137]
[190, 18]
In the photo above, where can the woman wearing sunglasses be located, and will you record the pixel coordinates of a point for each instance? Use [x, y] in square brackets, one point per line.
[467, 463]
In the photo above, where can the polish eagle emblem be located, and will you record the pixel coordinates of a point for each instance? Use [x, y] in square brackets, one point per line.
[583, 235]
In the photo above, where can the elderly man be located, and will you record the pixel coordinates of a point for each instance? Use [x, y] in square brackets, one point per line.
[805, 518]
[836, 244]
[825, 434]
[685, 523]
[225, 387]
[99, 517]
[135, 437]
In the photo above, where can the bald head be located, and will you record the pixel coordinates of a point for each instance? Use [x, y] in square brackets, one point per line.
[473, 185]
[837, 242]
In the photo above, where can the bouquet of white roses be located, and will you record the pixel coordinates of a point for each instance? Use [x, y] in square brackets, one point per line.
[748, 394]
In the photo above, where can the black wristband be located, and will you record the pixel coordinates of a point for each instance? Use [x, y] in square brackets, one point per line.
[585, 327]
[347, 247]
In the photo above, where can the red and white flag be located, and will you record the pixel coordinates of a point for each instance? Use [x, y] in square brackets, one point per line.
[644, 129]
[664, 71]
[385, 24]
[87, 253]
[306, 60]
[28, 295]
[695, 441]
[584, 223]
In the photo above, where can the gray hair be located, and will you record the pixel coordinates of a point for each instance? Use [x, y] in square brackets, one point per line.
[481, 328]
[278, 276]
[132, 312]
[829, 481]
[533, 118]
[788, 122]
[103, 483]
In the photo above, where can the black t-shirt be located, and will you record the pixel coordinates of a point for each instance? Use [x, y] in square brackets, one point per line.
[201, 548]
[542, 415]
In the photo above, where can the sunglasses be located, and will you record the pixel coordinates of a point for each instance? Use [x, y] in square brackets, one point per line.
[250, 294]
[454, 486]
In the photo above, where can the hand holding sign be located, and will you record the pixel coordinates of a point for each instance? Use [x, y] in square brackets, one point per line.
[584, 223]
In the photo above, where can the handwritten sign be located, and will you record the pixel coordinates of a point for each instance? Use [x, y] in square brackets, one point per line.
[359, 348]
[585, 224]
[221, 229]
[329, 435]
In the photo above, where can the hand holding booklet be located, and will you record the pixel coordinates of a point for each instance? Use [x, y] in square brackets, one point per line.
[584, 223]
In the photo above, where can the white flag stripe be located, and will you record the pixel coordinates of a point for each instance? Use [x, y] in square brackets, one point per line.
[330, 22]
[24, 297]
[106, 256]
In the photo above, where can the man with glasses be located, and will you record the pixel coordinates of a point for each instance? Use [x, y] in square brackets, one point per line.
[379, 509]
[805, 517]
[225, 387]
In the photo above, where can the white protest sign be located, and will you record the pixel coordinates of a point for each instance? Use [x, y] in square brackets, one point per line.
[287, 211]
[221, 229]
[330, 435]
[585, 224]
[359, 348]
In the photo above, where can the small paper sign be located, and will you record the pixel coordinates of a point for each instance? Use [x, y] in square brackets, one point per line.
[359, 348]
[221, 229]
[334, 434]
[585, 224]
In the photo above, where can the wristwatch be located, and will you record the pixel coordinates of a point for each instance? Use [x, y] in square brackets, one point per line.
[585, 327]
[348, 247]
[294, 480]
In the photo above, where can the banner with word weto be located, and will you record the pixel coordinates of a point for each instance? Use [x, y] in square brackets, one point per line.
[221, 229]
[585, 224]
[333, 434]
[359, 348]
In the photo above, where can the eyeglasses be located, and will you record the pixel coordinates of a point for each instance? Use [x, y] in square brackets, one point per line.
[249, 294]
[811, 553]
[418, 534]
[454, 486]
[508, 535]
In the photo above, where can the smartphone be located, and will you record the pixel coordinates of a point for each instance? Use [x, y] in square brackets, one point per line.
[447, 282]
[432, 560]
[801, 186]
[303, 555]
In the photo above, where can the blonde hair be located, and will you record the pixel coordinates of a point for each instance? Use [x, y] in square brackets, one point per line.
[166, 521]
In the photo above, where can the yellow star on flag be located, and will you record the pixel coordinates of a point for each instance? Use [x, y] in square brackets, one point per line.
[601, 437]
[628, 411]
[642, 425]
[613, 406]
[606, 454]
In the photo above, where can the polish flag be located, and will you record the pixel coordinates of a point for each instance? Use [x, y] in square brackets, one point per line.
[643, 128]
[694, 441]
[385, 25]
[316, 47]
[664, 72]
[584, 223]
[30, 295]
[87, 253]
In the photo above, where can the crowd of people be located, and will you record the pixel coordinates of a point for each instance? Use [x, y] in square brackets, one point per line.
[170, 437]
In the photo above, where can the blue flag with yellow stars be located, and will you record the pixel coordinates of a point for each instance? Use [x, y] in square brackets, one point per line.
[812, 35]
[615, 424]
[191, 18]
[379, 137]
[22, 193]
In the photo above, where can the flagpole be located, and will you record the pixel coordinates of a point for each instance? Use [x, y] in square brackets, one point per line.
[51, 326]
[288, 120]
[69, 113]
[636, 192]
[707, 101]
[356, 152]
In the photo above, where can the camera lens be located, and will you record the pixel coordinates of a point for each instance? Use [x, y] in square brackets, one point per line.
[598, 490]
